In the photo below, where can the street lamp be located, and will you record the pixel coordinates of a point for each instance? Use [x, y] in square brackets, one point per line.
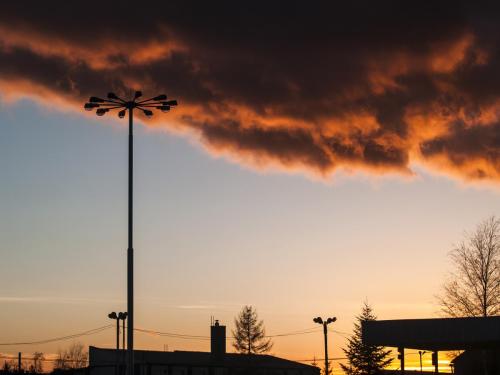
[113, 315]
[421, 353]
[119, 316]
[102, 106]
[325, 332]
[123, 316]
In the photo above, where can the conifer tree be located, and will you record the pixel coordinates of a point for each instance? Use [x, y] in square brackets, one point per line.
[364, 359]
[250, 333]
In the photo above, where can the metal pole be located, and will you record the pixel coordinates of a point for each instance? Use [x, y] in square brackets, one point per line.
[130, 250]
[420, 353]
[436, 364]
[117, 344]
[325, 331]
[123, 365]
[123, 337]
[117, 334]
[402, 359]
[19, 366]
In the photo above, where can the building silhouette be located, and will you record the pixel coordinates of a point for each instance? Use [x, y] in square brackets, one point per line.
[215, 362]
[485, 361]
[478, 337]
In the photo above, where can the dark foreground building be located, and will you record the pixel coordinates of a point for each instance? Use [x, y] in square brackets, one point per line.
[486, 361]
[215, 362]
[479, 337]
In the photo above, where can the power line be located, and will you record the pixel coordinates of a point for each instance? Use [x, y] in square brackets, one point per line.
[340, 333]
[199, 337]
[293, 333]
[62, 338]
[319, 359]
[173, 335]
[159, 333]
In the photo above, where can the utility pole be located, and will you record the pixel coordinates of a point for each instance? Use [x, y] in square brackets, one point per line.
[325, 333]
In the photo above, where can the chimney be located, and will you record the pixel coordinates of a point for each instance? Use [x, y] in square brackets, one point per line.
[218, 339]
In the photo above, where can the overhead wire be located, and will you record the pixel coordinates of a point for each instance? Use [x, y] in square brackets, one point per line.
[199, 337]
[158, 333]
[61, 338]
[319, 359]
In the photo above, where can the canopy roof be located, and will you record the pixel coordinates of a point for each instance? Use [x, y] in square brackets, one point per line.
[434, 334]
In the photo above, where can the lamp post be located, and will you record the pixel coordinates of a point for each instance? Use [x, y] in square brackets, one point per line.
[119, 316]
[421, 353]
[102, 106]
[123, 316]
[114, 316]
[325, 333]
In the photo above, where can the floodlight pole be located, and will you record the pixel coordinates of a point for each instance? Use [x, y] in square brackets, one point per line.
[103, 106]
[130, 250]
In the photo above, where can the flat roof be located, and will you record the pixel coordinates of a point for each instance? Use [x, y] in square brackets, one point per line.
[103, 357]
[434, 334]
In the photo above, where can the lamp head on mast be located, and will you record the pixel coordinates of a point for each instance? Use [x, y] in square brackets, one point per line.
[113, 101]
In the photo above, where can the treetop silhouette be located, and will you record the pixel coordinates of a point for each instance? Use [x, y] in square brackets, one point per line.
[249, 333]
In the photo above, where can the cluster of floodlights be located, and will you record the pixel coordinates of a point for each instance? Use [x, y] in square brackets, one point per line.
[102, 106]
[119, 316]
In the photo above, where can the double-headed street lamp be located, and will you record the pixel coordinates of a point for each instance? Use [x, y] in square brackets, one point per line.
[102, 106]
[123, 316]
[113, 315]
[119, 316]
[325, 332]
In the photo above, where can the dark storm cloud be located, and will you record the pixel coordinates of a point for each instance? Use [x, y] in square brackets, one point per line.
[267, 143]
[374, 86]
[473, 150]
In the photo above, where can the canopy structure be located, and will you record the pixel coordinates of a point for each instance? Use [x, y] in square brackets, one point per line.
[434, 334]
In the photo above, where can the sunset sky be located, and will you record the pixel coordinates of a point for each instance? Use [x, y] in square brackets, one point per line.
[320, 157]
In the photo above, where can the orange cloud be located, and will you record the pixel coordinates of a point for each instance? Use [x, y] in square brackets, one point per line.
[102, 53]
[374, 91]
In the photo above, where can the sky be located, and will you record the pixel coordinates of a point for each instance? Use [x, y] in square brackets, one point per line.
[320, 157]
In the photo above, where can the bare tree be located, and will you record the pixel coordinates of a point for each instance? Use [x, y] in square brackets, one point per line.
[73, 357]
[473, 289]
[37, 365]
[250, 335]
[8, 367]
